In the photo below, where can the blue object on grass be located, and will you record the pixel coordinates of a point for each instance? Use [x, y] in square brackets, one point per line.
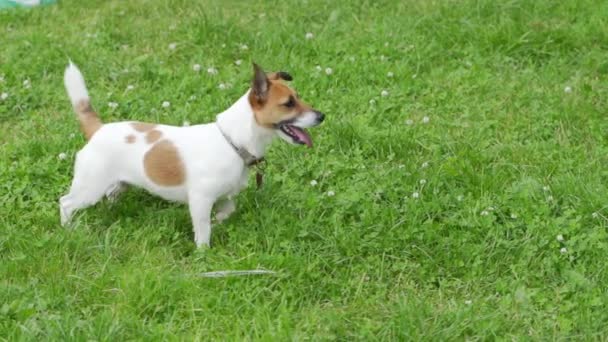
[24, 3]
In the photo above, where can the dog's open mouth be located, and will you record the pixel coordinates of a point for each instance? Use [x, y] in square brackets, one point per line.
[299, 135]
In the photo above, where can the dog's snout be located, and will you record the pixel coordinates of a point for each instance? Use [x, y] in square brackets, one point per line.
[320, 116]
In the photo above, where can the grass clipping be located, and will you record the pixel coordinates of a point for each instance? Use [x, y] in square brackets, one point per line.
[231, 273]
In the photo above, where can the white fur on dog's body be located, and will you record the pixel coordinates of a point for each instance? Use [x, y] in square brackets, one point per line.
[213, 169]
[202, 148]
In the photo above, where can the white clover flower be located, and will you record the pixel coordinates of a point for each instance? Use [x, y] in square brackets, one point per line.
[329, 71]
[560, 237]
[426, 119]
[384, 93]
[546, 188]
[186, 123]
[468, 302]
[4, 96]
[172, 46]
[390, 74]
[550, 198]
[27, 84]
[166, 104]
[238, 62]
[490, 208]
[313, 182]
[222, 86]
[409, 122]
[424, 165]
[192, 97]
[459, 198]
[422, 181]
[212, 71]
[130, 87]
[563, 250]
[196, 67]
[513, 216]
[62, 156]
[401, 166]
[72, 135]
[415, 194]
[595, 215]
[414, 75]
[309, 35]
[372, 102]
[567, 89]
[330, 193]
[243, 47]
[382, 58]
[112, 105]
[484, 213]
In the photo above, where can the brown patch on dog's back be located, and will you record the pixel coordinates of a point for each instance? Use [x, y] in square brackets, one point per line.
[163, 164]
[153, 136]
[129, 139]
[143, 126]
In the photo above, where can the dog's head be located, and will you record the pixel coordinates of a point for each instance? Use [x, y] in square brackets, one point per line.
[278, 107]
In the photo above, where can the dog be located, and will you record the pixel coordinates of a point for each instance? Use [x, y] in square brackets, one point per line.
[198, 165]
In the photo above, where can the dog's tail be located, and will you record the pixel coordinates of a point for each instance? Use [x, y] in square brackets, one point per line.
[79, 96]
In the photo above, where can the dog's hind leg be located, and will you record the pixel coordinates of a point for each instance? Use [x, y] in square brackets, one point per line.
[115, 190]
[90, 183]
[225, 209]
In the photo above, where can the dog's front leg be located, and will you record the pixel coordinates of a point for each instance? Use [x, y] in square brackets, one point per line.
[200, 211]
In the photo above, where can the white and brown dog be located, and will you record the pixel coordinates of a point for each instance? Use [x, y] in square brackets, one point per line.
[199, 164]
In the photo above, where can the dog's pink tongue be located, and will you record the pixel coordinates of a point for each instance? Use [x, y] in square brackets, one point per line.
[302, 135]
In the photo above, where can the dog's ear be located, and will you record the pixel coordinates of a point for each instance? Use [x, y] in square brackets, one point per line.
[280, 75]
[260, 84]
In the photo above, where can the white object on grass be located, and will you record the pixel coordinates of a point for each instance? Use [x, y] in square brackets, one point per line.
[221, 274]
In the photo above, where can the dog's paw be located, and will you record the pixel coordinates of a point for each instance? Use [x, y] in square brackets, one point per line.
[225, 210]
[64, 217]
[202, 244]
[222, 215]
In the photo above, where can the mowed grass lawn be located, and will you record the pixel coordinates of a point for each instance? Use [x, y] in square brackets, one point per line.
[457, 189]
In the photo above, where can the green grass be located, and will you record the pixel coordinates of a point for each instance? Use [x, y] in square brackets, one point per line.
[509, 160]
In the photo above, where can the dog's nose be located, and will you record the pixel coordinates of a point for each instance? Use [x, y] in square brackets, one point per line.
[320, 116]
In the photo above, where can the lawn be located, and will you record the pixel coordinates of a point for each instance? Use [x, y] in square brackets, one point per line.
[456, 190]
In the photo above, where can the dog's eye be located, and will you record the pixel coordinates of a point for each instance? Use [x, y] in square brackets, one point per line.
[291, 103]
